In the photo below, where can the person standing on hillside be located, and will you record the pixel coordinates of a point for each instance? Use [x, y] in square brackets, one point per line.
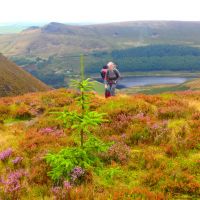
[111, 78]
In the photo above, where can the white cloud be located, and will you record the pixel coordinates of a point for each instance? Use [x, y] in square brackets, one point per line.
[98, 11]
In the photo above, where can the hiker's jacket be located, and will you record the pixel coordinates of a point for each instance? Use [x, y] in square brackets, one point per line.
[112, 76]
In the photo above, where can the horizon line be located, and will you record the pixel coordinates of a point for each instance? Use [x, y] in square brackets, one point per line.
[93, 22]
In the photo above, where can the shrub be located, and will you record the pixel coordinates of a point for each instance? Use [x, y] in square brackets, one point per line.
[22, 112]
[35, 143]
[38, 172]
[159, 132]
[171, 150]
[137, 193]
[120, 122]
[4, 112]
[119, 152]
[174, 109]
[67, 159]
[152, 178]
[182, 183]
[138, 133]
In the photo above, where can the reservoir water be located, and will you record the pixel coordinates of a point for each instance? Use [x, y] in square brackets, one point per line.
[131, 81]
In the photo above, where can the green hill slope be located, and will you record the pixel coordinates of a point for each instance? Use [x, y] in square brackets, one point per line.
[14, 80]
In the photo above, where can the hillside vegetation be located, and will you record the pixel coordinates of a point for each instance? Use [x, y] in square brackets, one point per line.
[57, 70]
[153, 147]
[15, 81]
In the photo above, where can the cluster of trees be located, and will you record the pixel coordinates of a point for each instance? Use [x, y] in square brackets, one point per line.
[152, 58]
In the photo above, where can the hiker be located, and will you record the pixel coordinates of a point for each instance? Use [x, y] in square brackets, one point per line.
[111, 78]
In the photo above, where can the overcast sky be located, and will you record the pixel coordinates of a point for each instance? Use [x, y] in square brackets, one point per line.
[98, 11]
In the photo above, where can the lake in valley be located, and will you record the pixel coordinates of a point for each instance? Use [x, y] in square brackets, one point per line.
[132, 81]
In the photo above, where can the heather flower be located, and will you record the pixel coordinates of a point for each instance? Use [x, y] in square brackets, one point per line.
[142, 117]
[4, 155]
[139, 115]
[52, 131]
[17, 160]
[159, 132]
[67, 185]
[155, 126]
[62, 192]
[119, 152]
[124, 136]
[12, 185]
[165, 123]
[46, 130]
[76, 173]
[56, 190]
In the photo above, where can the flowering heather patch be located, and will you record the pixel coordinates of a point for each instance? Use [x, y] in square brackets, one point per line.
[159, 132]
[118, 124]
[76, 174]
[62, 193]
[57, 192]
[119, 152]
[4, 155]
[67, 185]
[12, 184]
[142, 117]
[17, 160]
[51, 131]
[34, 142]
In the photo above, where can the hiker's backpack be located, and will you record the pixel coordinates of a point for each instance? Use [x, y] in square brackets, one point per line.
[103, 73]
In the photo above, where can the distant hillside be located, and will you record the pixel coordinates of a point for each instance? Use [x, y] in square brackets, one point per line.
[61, 39]
[51, 52]
[15, 81]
